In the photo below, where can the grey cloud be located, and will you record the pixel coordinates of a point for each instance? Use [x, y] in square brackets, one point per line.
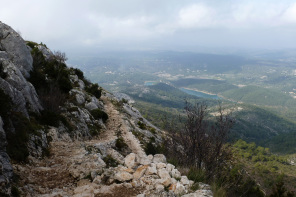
[141, 24]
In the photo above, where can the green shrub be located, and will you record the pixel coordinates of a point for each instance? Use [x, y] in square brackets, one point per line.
[94, 90]
[141, 125]
[86, 82]
[152, 149]
[31, 44]
[194, 187]
[120, 144]
[50, 118]
[94, 130]
[124, 100]
[196, 175]
[38, 79]
[110, 161]
[17, 140]
[79, 73]
[279, 190]
[152, 130]
[138, 135]
[99, 114]
[218, 190]
[47, 73]
[64, 83]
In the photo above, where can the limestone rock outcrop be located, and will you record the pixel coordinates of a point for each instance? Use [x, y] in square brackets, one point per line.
[14, 48]
[6, 170]
[16, 63]
[15, 66]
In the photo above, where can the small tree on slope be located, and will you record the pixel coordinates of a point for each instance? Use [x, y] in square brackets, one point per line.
[201, 141]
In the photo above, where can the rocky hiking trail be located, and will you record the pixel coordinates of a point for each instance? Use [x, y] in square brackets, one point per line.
[51, 176]
[74, 168]
[118, 123]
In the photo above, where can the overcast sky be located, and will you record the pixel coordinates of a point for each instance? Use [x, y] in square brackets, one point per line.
[95, 25]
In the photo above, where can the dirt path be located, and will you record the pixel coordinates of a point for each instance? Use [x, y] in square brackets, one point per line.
[51, 176]
[50, 173]
[119, 123]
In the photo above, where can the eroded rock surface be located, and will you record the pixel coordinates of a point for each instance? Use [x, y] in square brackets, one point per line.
[6, 170]
[15, 66]
[14, 48]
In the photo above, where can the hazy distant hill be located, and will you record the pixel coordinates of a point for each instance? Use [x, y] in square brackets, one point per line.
[210, 85]
[260, 96]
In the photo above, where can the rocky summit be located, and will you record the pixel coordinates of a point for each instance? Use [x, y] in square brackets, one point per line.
[61, 135]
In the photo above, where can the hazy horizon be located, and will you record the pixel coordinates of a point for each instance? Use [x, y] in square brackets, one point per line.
[93, 26]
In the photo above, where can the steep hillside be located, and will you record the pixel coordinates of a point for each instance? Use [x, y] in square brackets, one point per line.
[61, 135]
[260, 96]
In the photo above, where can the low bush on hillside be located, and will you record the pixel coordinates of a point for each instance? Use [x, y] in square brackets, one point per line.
[279, 190]
[99, 114]
[94, 89]
[18, 136]
[141, 125]
[79, 73]
[81, 76]
[151, 148]
[120, 144]
[50, 77]
[31, 44]
[110, 161]
[50, 118]
[256, 153]
[265, 167]
[94, 130]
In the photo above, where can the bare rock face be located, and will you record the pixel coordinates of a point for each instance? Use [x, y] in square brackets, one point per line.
[21, 92]
[45, 51]
[123, 176]
[79, 95]
[129, 160]
[140, 172]
[13, 47]
[6, 170]
[15, 65]
[37, 144]
[159, 158]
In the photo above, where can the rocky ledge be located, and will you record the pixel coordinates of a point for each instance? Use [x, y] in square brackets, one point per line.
[152, 176]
